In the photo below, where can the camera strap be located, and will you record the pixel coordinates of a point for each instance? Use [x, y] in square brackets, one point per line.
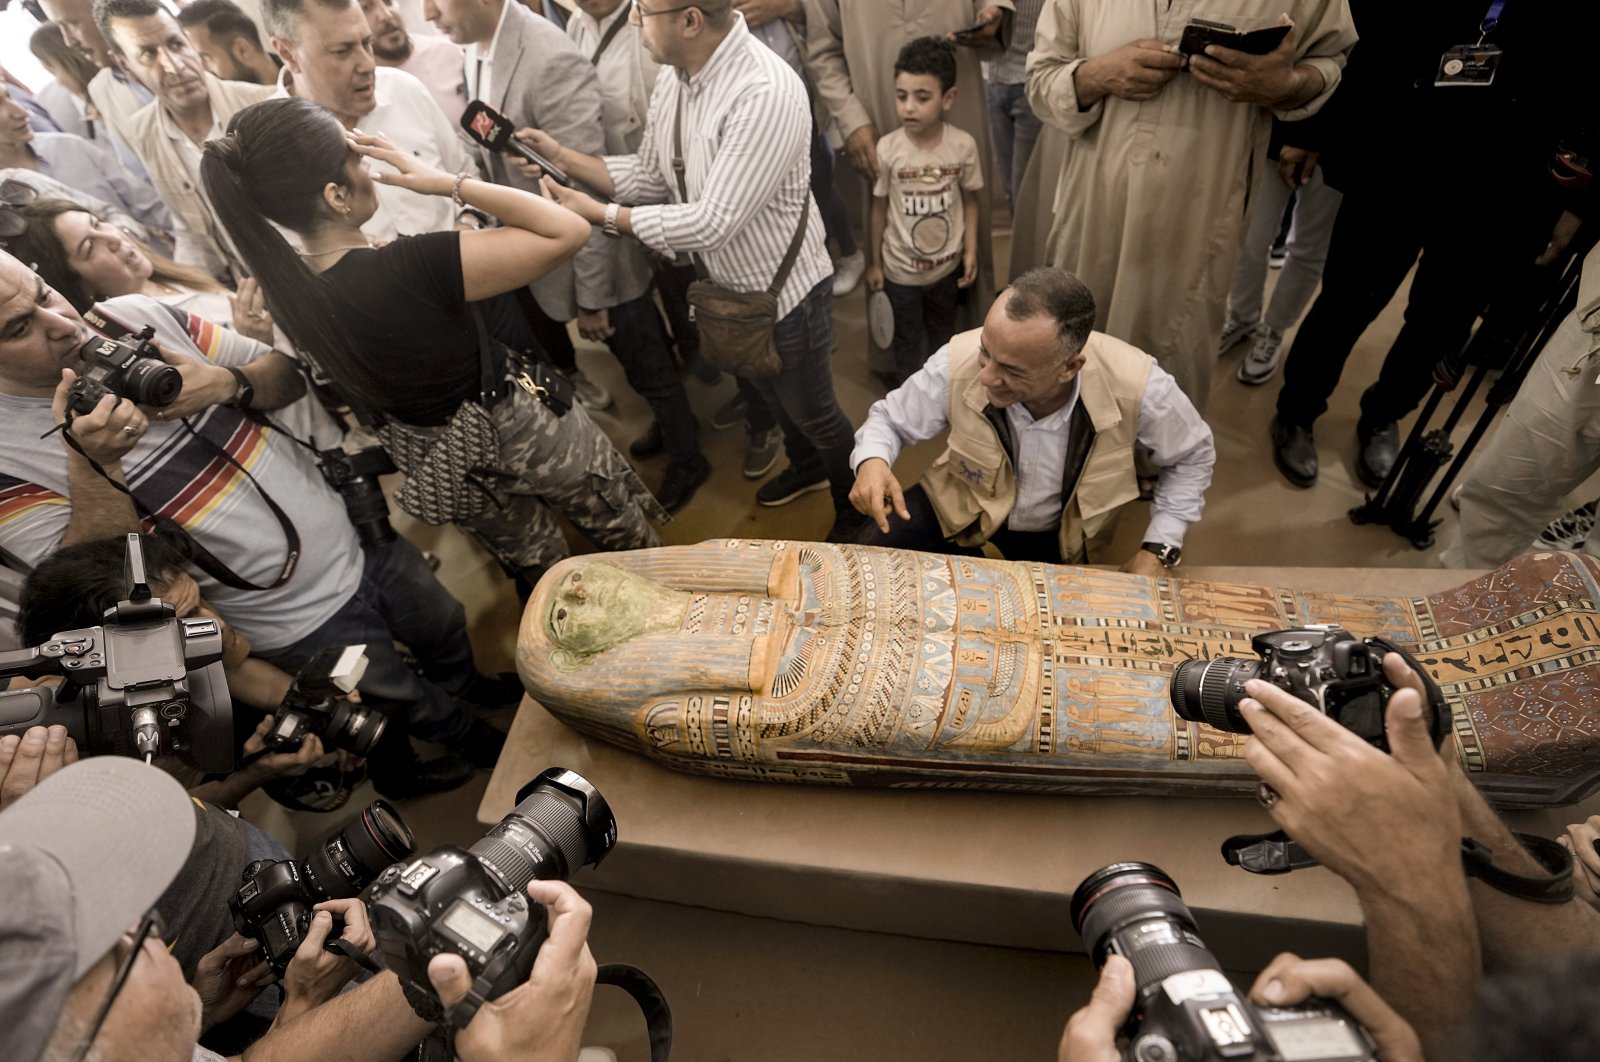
[1278, 853]
[1439, 714]
[1556, 886]
[632, 980]
[203, 558]
[1266, 853]
[343, 947]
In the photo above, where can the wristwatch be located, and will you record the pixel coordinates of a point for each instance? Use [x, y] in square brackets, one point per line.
[1167, 555]
[243, 390]
[609, 227]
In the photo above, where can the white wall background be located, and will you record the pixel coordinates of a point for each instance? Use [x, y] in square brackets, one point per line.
[16, 26]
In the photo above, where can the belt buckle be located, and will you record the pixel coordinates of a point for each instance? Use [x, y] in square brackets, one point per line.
[526, 382]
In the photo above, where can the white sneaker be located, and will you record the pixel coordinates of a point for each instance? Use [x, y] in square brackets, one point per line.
[1570, 530]
[591, 394]
[1262, 361]
[1234, 333]
[597, 1054]
[847, 274]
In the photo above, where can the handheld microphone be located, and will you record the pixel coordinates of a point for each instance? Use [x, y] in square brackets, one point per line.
[490, 128]
[146, 734]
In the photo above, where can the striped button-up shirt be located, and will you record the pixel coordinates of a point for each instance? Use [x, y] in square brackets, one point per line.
[747, 153]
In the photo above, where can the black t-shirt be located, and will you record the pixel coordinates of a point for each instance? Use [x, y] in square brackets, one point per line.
[195, 905]
[405, 310]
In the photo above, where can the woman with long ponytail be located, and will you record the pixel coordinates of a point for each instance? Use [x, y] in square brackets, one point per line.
[395, 327]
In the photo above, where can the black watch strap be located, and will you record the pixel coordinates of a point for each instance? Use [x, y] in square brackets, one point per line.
[246, 391]
[1166, 553]
[1555, 887]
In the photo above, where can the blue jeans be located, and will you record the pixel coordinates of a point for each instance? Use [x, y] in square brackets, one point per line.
[400, 599]
[924, 319]
[1316, 204]
[641, 346]
[1015, 128]
[816, 434]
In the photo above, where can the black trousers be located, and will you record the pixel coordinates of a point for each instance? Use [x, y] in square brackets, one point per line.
[1473, 248]
[922, 533]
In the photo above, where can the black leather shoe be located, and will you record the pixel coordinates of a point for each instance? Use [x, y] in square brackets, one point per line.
[1294, 452]
[486, 693]
[424, 777]
[1379, 448]
[681, 481]
[480, 745]
[649, 444]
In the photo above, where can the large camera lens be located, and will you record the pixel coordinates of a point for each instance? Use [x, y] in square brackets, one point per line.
[1136, 909]
[148, 382]
[347, 862]
[354, 728]
[368, 510]
[560, 823]
[1209, 691]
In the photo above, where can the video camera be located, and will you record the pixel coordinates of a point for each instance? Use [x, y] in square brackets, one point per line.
[143, 683]
[1186, 1010]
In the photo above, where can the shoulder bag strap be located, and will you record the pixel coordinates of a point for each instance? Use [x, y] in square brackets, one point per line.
[793, 252]
[678, 171]
[491, 377]
[795, 241]
[203, 558]
[611, 34]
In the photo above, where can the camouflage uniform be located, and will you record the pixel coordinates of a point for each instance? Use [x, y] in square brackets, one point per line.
[565, 464]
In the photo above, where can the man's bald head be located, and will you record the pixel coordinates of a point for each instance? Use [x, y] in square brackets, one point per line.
[40, 332]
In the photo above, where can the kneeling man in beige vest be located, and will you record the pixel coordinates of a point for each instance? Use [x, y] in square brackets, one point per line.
[1044, 417]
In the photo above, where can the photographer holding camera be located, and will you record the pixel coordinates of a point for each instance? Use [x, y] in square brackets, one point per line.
[74, 587]
[292, 583]
[1091, 1033]
[1441, 879]
[83, 967]
[1344, 736]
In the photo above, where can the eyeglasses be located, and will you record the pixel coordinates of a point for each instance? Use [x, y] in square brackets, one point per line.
[14, 193]
[150, 923]
[637, 15]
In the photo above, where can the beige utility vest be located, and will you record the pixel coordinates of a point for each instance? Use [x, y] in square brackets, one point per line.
[973, 484]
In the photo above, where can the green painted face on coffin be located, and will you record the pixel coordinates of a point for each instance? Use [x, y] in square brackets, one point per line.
[598, 605]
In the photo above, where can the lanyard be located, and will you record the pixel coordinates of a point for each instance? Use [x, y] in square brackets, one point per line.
[623, 13]
[1491, 19]
[203, 558]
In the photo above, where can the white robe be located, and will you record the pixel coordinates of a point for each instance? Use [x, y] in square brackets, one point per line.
[851, 47]
[1151, 205]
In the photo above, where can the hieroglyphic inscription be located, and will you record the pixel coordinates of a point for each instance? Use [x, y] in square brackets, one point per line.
[855, 665]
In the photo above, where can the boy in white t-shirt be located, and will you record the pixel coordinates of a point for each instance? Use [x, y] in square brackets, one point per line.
[923, 245]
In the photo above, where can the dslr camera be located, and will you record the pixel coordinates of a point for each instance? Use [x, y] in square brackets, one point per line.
[275, 898]
[471, 903]
[129, 367]
[1322, 664]
[143, 683]
[1185, 1009]
[355, 477]
[317, 704]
